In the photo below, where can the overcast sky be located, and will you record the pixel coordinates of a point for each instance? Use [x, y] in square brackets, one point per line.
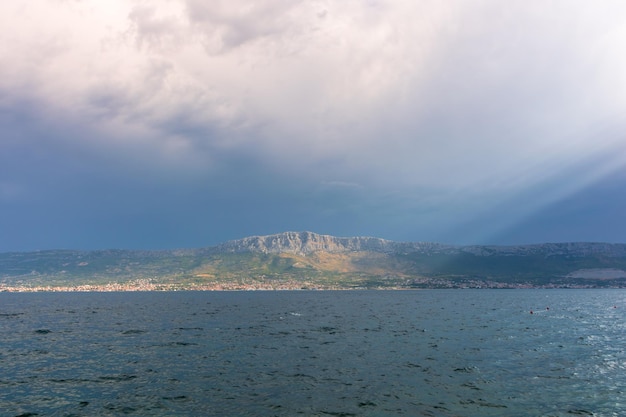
[185, 123]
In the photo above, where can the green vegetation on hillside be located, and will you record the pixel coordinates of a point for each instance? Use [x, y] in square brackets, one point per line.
[240, 268]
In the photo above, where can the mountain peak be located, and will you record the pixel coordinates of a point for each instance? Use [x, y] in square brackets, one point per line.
[303, 243]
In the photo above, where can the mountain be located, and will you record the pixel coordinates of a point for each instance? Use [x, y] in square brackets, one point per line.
[306, 243]
[309, 260]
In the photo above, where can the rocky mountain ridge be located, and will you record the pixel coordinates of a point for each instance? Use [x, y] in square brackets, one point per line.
[305, 243]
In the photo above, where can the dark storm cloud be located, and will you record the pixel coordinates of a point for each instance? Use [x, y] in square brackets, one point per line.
[176, 124]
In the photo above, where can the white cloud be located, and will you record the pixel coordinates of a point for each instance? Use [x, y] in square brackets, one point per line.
[394, 94]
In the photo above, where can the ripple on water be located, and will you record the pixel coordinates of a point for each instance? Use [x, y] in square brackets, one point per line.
[430, 353]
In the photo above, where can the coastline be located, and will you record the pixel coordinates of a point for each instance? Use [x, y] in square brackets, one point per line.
[143, 285]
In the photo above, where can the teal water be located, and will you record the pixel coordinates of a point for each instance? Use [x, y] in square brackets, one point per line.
[345, 353]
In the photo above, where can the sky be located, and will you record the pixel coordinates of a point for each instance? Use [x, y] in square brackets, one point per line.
[185, 123]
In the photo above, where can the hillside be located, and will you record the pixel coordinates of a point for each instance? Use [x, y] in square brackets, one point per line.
[307, 260]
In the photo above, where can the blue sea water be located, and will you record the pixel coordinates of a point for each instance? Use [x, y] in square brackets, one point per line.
[331, 353]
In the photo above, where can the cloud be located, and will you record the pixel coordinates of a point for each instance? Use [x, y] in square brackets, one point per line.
[428, 113]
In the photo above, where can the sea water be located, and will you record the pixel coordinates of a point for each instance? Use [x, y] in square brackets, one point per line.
[309, 353]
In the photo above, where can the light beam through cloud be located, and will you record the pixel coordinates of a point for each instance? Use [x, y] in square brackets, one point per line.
[412, 120]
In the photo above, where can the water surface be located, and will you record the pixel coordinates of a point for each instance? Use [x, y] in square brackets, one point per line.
[337, 353]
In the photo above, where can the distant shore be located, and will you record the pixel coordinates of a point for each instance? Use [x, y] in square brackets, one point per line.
[148, 286]
[131, 287]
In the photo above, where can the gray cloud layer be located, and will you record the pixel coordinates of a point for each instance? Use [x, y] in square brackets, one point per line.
[202, 121]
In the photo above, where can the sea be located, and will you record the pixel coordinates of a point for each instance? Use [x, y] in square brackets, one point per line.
[522, 352]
